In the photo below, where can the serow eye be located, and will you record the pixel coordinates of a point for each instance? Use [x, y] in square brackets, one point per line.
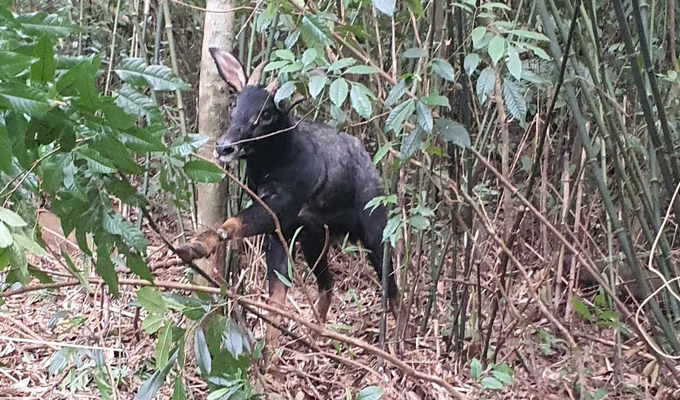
[266, 117]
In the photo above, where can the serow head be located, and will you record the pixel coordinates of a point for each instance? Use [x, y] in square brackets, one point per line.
[254, 115]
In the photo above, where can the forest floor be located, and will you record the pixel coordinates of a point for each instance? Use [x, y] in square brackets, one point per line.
[37, 326]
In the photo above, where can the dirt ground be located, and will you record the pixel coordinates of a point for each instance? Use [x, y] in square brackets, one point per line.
[36, 327]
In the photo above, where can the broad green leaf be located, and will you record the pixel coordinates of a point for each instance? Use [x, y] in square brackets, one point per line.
[13, 64]
[485, 84]
[382, 151]
[514, 101]
[285, 54]
[178, 391]
[308, 57]
[581, 309]
[202, 353]
[152, 323]
[341, 63]
[151, 300]
[42, 23]
[502, 377]
[396, 92]
[361, 70]
[158, 77]
[418, 222]
[11, 218]
[6, 145]
[316, 85]
[477, 35]
[124, 191]
[496, 48]
[141, 140]
[274, 65]
[400, 113]
[424, 117]
[436, 100]
[493, 5]
[6, 239]
[475, 369]
[139, 267]
[104, 266]
[523, 33]
[29, 245]
[453, 132]
[415, 52]
[116, 153]
[385, 6]
[338, 91]
[538, 51]
[370, 393]
[470, 63]
[162, 352]
[294, 67]
[233, 339]
[443, 68]
[284, 92]
[132, 101]
[151, 386]
[513, 63]
[23, 99]
[314, 31]
[411, 143]
[360, 101]
[203, 171]
[43, 70]
[95, 160]
[491, 383]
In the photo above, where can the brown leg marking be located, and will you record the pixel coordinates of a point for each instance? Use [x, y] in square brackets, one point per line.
[233, 227]
[277, 298]
[325, 298]
[203, 246]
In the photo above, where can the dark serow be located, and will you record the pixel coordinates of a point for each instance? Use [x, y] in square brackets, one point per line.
[309, 174]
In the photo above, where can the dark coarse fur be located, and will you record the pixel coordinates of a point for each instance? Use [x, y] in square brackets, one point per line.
[310, 175]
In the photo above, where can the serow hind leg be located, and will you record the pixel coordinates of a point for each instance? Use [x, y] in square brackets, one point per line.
[276, 262]
[312, 242]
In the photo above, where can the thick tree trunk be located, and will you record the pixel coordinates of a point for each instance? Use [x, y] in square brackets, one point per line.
[213, 117]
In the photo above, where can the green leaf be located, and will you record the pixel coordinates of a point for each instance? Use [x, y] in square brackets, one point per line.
[274, 65]
[514, 64]
[202, 353]
[538, 51]
[491, 383]
[11, 218]
[581, 309]
[152, 323]
[386, 7]
[370, 393]
[496, 48]
[285, 54]
[6, 145]
[443, 68]
[29, 245]
[308, 57]
[424, 117]
[493, 5]
[475, 369]
[42, 23]
[436, 100]
[104, 266]
[477, 35]
[284, 92]
[382, 151]
[453, 132]
[341, 63]
[162, 352]
[95, 161]
[396, 93]
[485, 84]
[138, 267]
[158, 77]
[71, 268]
[203, 171]
[361, 70]
[411, 143]
[284, 279]
[316, 85]
[151, 300]
[23, 99]
[418, 222]
[523, 33]
[400, 113]
[338, 91]
[470, 63]
[314, 31]
[13, 64]
[132, 101]
[360, 101]
[502, 377]
[179, 392]
[151, 386]
[415, 52]
[43, 70]
[116, 154]
[6, 239]
[514, 101]
[233, 339]
[143, 140]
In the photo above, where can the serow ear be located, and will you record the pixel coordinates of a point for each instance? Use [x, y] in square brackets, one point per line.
[229, 68]
[273, 86]
[254, 78]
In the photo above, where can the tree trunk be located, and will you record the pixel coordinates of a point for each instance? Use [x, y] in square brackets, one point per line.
[213, 100]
